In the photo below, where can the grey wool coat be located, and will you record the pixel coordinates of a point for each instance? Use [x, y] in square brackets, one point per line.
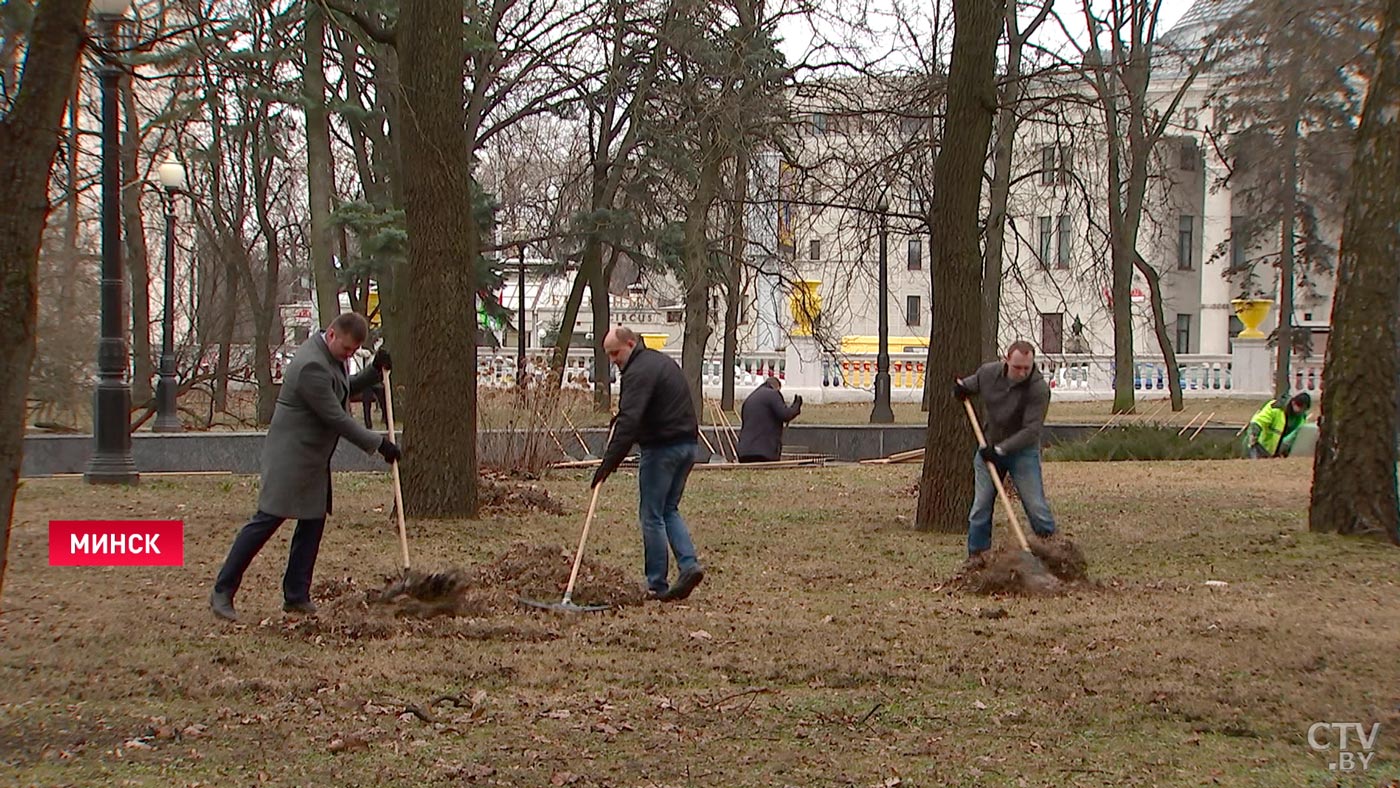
[309, 420]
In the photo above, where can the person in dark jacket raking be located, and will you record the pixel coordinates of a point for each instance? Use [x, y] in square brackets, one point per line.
[1016, 397]
[308, 422]
[655, 411]
[764, 415]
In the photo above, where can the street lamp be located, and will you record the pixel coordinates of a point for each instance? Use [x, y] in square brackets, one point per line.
[520, 327]
[172, 181]
[883, 413]
[111, 461]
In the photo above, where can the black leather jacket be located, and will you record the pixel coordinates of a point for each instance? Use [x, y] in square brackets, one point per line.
[654, 408]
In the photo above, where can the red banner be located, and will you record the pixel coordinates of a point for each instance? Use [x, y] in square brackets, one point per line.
[116, 543]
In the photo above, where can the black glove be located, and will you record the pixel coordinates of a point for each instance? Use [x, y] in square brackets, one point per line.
[599, 476]
[382, 361]
[959, 390]
[389, 450]
[797, 401]
[989, 453]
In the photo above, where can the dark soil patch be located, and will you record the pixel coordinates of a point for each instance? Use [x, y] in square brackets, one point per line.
[1058, 565]
[495, 588]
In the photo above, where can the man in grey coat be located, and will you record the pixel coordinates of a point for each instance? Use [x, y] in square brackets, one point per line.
[1016, 397]
[308, 422]
[764, 415]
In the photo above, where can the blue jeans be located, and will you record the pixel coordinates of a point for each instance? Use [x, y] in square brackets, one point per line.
[1024, 467]
[301, 561]
[661, 479]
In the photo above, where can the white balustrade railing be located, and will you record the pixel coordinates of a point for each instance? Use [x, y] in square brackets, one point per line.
[1080, 374]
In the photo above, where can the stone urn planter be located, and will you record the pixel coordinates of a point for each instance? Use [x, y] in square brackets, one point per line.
[1251, 312]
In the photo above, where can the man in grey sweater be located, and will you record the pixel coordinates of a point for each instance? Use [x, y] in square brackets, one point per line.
[1016, 398]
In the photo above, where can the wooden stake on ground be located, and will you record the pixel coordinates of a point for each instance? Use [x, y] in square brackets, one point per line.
[1189, 423]
[577, 434]
[1203, 426]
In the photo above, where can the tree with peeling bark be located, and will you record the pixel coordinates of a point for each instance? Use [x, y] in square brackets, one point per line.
[957, 260]
[1354, 478]
[31, 122]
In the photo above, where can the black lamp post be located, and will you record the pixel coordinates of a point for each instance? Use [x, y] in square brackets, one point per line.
[111, 461]
[883, 413]
[172, 181]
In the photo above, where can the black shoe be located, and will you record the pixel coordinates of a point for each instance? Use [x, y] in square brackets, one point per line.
[305, 608]
[684, 585]
[655, 596]
[221, 605]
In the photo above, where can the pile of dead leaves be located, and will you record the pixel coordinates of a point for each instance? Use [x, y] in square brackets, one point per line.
[505, 496]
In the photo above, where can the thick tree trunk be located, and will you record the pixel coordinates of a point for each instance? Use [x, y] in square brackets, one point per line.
[440, 467]
[138, 260]
[1354, 482]
[29, 136]
[944, 495]
[733, 286]
[320, 170]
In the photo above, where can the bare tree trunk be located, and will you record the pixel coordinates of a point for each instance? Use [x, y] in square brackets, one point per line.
[1159, 325]
[1007, 122]
[957, 262]
[599, 299]
[440, 469]
[320, 169]
[592, 255]
[1354, 467]
[29, 136]
[1287, 252]
[697, 273]
[138, 261]
[733, 285]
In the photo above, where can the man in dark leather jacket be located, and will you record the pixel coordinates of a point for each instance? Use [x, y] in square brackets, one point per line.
[655, 411]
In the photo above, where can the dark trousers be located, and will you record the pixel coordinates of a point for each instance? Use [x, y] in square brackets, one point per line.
[367, 399]
[306, 543]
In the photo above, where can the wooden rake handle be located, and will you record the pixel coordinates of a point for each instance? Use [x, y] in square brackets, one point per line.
[996, 478]
[583, 537]
[394, 469]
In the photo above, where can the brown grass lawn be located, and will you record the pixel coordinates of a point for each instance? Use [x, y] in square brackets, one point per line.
[823, 648]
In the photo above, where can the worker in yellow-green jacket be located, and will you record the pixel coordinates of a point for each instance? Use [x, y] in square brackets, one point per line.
[1274, 427]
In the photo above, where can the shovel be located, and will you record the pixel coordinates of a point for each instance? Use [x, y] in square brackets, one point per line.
[1033, 571]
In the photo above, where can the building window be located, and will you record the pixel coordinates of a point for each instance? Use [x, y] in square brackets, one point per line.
[818, 122]
[1054, 164]
[1047, 237]
[913, 310]
[814, 251]
[1052, 332]
[1062, 258]
[1190, 157]
[1239, 242]
[1183, 333]
[1185, 242]
[916, 254]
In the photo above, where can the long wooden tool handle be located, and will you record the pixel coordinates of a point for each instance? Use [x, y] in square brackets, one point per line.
[394, 469]
[583, 539]
[996, 478]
